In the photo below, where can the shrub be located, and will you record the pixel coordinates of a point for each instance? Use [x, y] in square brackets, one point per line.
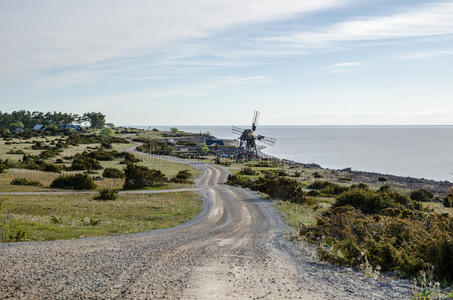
[317, 175]
[83, 162]
[140, 176]
[106, 195]
[32, 162]
[101, 154]
[10, 231]
[297, 174]
[3, 165]
[49, 153]
[15, 151]
[182, 177]
[107, 132]
[382, 179]
[247, 171]
[407, 244]
[129, 157]
[422, 195]
[327, 188]
[25, 181]
[448, 201]
[113, 173]
[74, 182]
[371, 202]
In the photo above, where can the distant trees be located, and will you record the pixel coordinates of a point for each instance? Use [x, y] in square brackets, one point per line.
[29, 119]
[96, 120]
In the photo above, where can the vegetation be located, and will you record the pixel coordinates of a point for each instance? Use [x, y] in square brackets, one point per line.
[34, 162]
[52, 217]
[138, 177]
[448, 200]
[25, 181]
[247, 171]
[113, 173]
[422, 195]
[3, 165]
[155, 147]
[74, 182]
[182, 177]
[107, 195]
[85, 162]
[107, 132]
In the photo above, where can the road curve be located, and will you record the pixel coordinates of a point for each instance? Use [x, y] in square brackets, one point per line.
[235, 249]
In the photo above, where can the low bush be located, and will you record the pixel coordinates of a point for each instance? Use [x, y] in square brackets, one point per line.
[102, 155]
[317, 175]
[129, 157]
[281, 188]
[395, 242]
[84, 162]
[3, 165]
[382, 179]
[25, 181]
[46, 154]
[327, 188]
[247, 171]
[138, 177]
[422, 195]
[10, 230]
[448, 200]
[182, 177]
[15, 151]
[371, 202]
[113, 173]
[74, 182]
[106, 195]
[32, 162]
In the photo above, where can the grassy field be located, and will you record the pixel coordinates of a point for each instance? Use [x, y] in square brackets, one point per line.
[52, 217]
[306, 213]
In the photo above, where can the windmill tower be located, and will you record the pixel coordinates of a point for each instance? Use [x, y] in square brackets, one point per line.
[248, 139]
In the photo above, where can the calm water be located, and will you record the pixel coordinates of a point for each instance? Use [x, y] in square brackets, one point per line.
[416, 151]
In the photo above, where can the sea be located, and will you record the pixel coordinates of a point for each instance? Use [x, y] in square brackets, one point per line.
[414, 151]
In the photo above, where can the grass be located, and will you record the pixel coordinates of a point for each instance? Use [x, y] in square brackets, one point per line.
[52, 217]
[306, 213]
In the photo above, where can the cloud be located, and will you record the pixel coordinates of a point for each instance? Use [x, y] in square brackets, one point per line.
[342, 67]
[426, 20]
[425, 54]
[53, 34]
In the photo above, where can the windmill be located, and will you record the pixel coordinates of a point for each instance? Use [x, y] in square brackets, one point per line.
[248, 139]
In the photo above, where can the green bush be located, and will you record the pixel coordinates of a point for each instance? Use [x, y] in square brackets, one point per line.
[25, 181]
[10, 231]
[113, 173]
[102, 155]
[448, 201]
[107, 132]
[15, 151]
[422, 195]
[3, 165]
[182, 177]
[394, 242]
[74, 182]
[327, 188]
[46, 154]
[371, 202]
[84, 162]
[138, 177]
[32, 162]
[106, 195]
[247, 171]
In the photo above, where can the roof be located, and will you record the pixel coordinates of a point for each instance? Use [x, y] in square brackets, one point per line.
[215, 142]
[38, 127]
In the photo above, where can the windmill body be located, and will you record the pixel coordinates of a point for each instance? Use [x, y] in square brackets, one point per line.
[248, 140]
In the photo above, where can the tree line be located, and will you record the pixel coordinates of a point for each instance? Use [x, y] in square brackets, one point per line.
[29, 119]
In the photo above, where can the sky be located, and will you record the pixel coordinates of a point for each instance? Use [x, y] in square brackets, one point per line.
[213, 62]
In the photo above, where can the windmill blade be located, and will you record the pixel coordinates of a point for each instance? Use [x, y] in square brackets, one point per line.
[237, 130]
[267, 140]
[256, 116]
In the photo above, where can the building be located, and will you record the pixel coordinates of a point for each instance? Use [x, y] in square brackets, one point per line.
[70, 126]
[215, 142]
[38, 127]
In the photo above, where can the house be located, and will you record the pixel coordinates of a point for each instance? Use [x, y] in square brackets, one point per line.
[70, 126]
[17, 129]
[39, 127]
[215, 143]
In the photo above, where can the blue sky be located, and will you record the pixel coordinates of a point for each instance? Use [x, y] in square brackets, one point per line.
[211, 62]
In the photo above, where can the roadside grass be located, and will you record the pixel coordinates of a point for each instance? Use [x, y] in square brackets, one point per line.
[306, 213]
[44, 177]
[438, 207]
[52, 217]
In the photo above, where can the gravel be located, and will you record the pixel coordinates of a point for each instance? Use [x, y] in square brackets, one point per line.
[235, 249]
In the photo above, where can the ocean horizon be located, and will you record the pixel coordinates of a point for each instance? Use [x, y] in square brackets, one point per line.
[420, 151]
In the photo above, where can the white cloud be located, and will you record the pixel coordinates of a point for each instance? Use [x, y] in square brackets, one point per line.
[425, 54]
[342, 67]
[427, 20]
[48, 34]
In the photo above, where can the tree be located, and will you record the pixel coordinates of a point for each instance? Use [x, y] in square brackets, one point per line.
[107, 132]
[110, 125]
[138, 177]
[96, 120]
[16, 124]
[174, 130]
[204, 148]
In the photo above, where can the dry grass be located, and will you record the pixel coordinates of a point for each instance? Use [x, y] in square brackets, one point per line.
[306, 213]
[127, 214]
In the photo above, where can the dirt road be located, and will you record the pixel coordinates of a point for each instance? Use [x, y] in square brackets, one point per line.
[235, 249]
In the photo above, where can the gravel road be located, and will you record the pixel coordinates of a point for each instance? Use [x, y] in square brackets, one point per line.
[235, 249]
